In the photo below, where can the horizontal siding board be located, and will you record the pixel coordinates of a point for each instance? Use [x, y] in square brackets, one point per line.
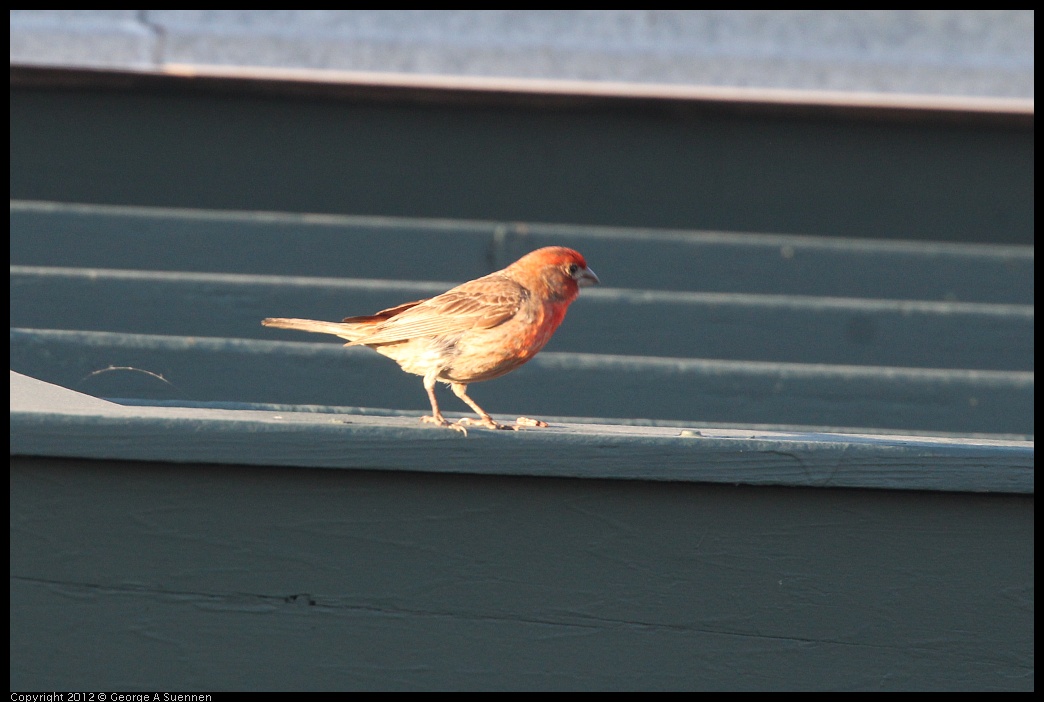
[88, 236]
[561, 384]
[610, 321]
[630, 163]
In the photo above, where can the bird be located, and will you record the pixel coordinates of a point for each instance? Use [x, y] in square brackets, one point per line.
[479, 330]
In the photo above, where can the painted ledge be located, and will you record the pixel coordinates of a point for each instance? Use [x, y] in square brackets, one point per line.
[544, 91]
[48, 420]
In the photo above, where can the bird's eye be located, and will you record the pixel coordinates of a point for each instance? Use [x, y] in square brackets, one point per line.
[571, 269]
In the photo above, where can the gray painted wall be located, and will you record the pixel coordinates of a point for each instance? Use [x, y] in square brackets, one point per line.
[145, 575]
[202, 547]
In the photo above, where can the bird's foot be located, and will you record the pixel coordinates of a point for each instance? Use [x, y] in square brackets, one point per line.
[483, 422]
[528, 422]
[489, 423]
[443, 422]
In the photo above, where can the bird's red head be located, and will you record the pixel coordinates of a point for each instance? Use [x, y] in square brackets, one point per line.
[563, 271]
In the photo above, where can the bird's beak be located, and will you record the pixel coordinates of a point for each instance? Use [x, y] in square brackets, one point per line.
[586, 277]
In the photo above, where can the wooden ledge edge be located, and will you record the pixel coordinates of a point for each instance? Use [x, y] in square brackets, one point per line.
[540, 92]
[47, 420]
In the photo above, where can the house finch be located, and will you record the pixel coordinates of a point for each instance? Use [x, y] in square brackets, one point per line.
[477, 331]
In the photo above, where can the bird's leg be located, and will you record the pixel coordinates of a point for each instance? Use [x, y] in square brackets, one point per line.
[459, 389]
[436, 416]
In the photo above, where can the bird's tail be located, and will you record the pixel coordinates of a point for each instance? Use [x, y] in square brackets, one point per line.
[350, 332]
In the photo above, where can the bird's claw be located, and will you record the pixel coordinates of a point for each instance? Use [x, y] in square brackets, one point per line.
[485, 422]
[442, 422]
[489, 423]
[528, 422]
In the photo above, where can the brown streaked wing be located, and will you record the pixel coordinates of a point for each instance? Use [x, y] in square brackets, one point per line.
[384, 314]
[479, 304]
